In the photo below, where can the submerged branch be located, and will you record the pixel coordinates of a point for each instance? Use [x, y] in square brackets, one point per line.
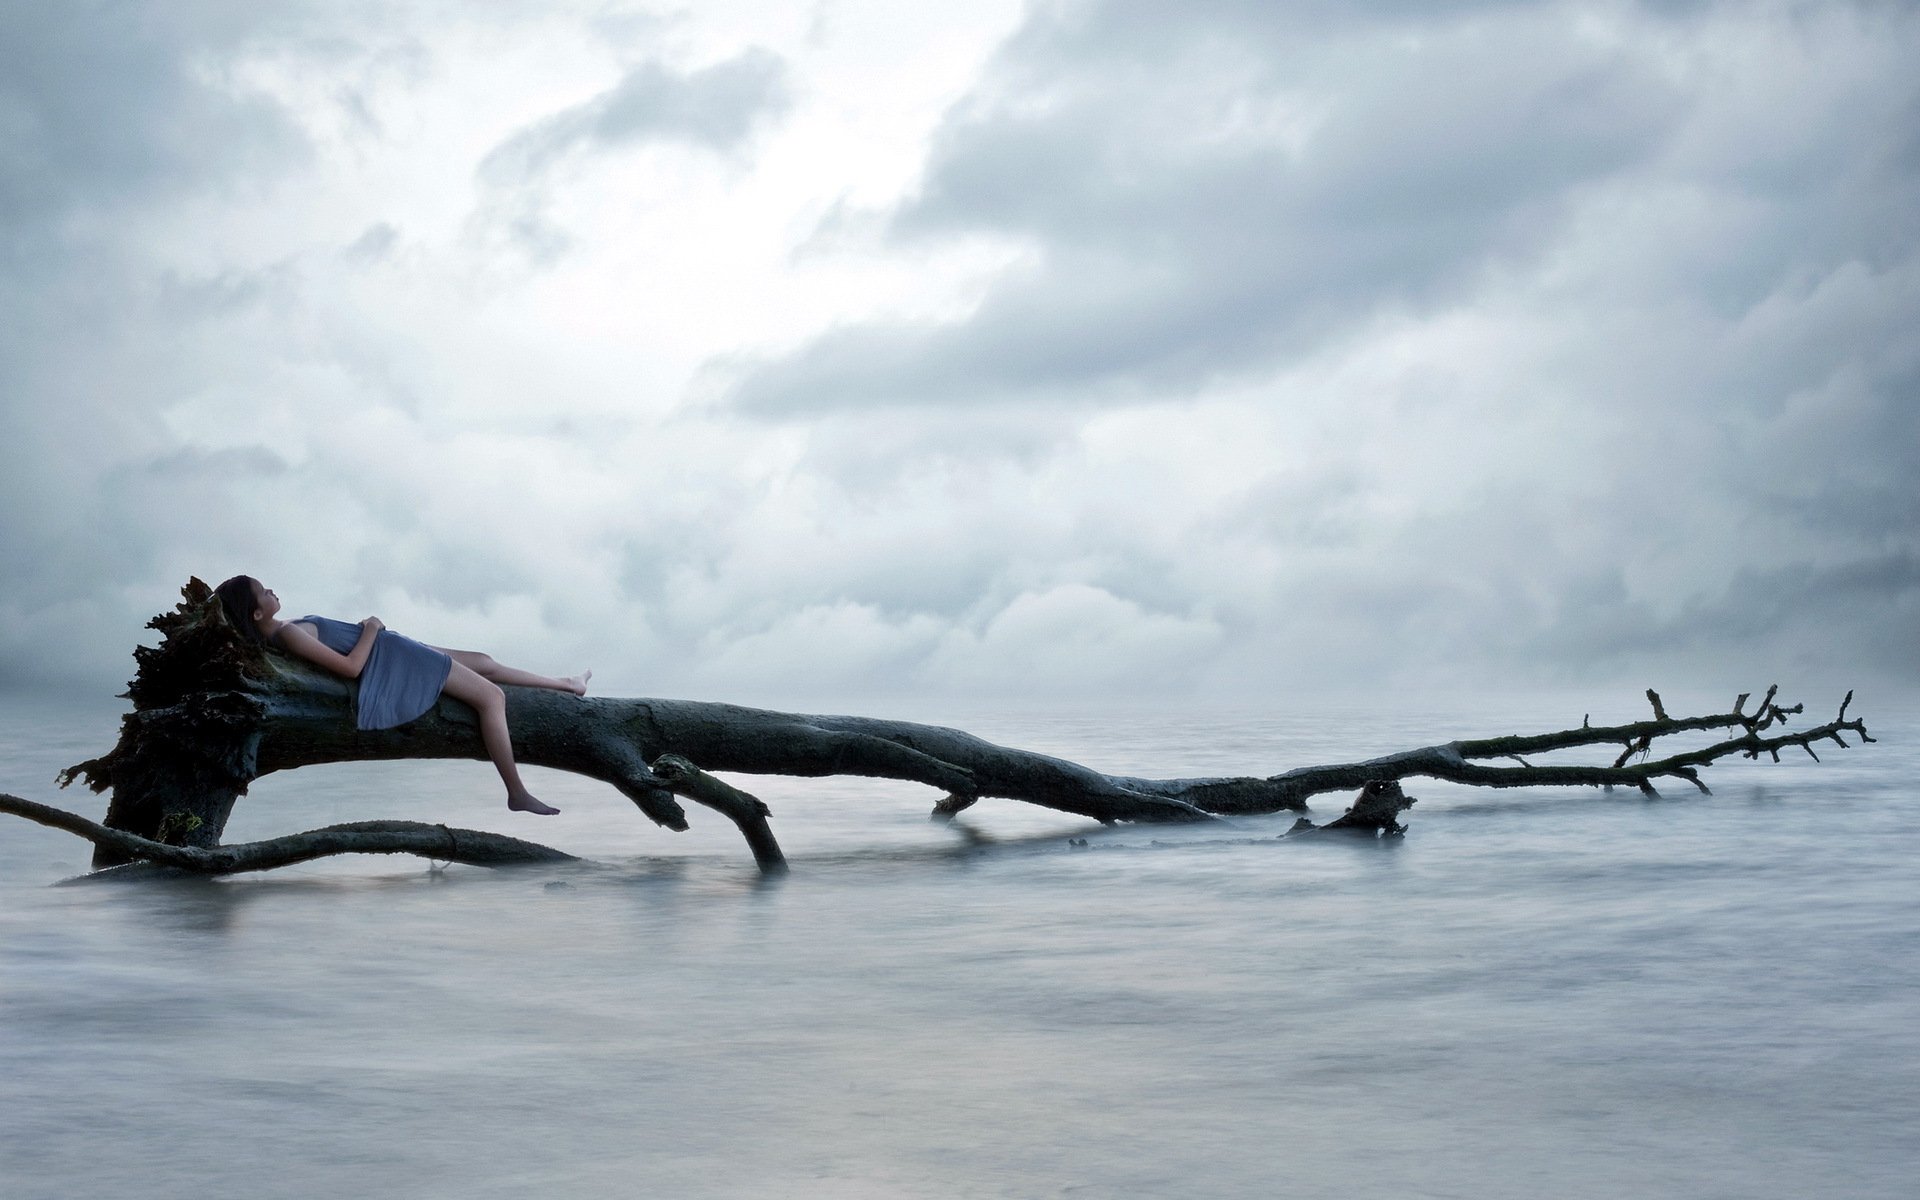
[745, 811]
[438, 842]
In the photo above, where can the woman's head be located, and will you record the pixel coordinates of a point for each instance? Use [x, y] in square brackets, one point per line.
[246, 602]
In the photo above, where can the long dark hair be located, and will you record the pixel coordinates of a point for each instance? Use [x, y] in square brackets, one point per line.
[237, 603]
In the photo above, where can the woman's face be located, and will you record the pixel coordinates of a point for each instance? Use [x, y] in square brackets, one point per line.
[265, 603]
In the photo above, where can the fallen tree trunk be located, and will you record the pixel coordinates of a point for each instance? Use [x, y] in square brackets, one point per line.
[213, 712]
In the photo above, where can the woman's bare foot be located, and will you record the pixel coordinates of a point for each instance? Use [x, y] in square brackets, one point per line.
[577, 684]
[528, 803]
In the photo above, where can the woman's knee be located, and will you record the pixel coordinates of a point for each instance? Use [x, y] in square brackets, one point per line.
[463, 683]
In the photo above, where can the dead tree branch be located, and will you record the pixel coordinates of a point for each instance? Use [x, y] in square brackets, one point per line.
[437, 842]
[743, 810]
[1456, 761]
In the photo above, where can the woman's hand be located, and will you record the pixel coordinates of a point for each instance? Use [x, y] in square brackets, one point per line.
[297, 640]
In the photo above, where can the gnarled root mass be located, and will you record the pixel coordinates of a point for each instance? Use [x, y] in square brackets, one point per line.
[213, 712]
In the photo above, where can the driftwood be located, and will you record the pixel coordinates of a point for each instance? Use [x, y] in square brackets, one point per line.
[433, 842]
[213, 712]
[1374, 812]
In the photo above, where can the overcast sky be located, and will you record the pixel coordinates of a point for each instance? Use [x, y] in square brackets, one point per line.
[809, 352]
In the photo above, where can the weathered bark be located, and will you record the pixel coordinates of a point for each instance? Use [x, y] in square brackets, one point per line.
[213, 712]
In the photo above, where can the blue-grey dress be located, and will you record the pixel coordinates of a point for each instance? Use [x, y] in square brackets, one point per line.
[402, 677]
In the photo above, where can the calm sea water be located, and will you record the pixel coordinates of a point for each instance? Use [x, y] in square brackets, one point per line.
[1535, 993]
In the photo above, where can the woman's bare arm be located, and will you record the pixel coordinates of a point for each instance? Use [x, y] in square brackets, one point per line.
[301, 644]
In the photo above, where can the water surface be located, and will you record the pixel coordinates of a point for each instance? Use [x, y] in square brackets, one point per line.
[1541, 992]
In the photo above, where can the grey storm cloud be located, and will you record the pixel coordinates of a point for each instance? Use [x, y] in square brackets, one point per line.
[715, 107]
[102, 115]
[1861, 602]
[100, 105]
[1213, 192]
[1216, 189]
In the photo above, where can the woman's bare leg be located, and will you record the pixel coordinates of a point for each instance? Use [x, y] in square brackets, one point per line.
[491, 703]
[485, 667]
